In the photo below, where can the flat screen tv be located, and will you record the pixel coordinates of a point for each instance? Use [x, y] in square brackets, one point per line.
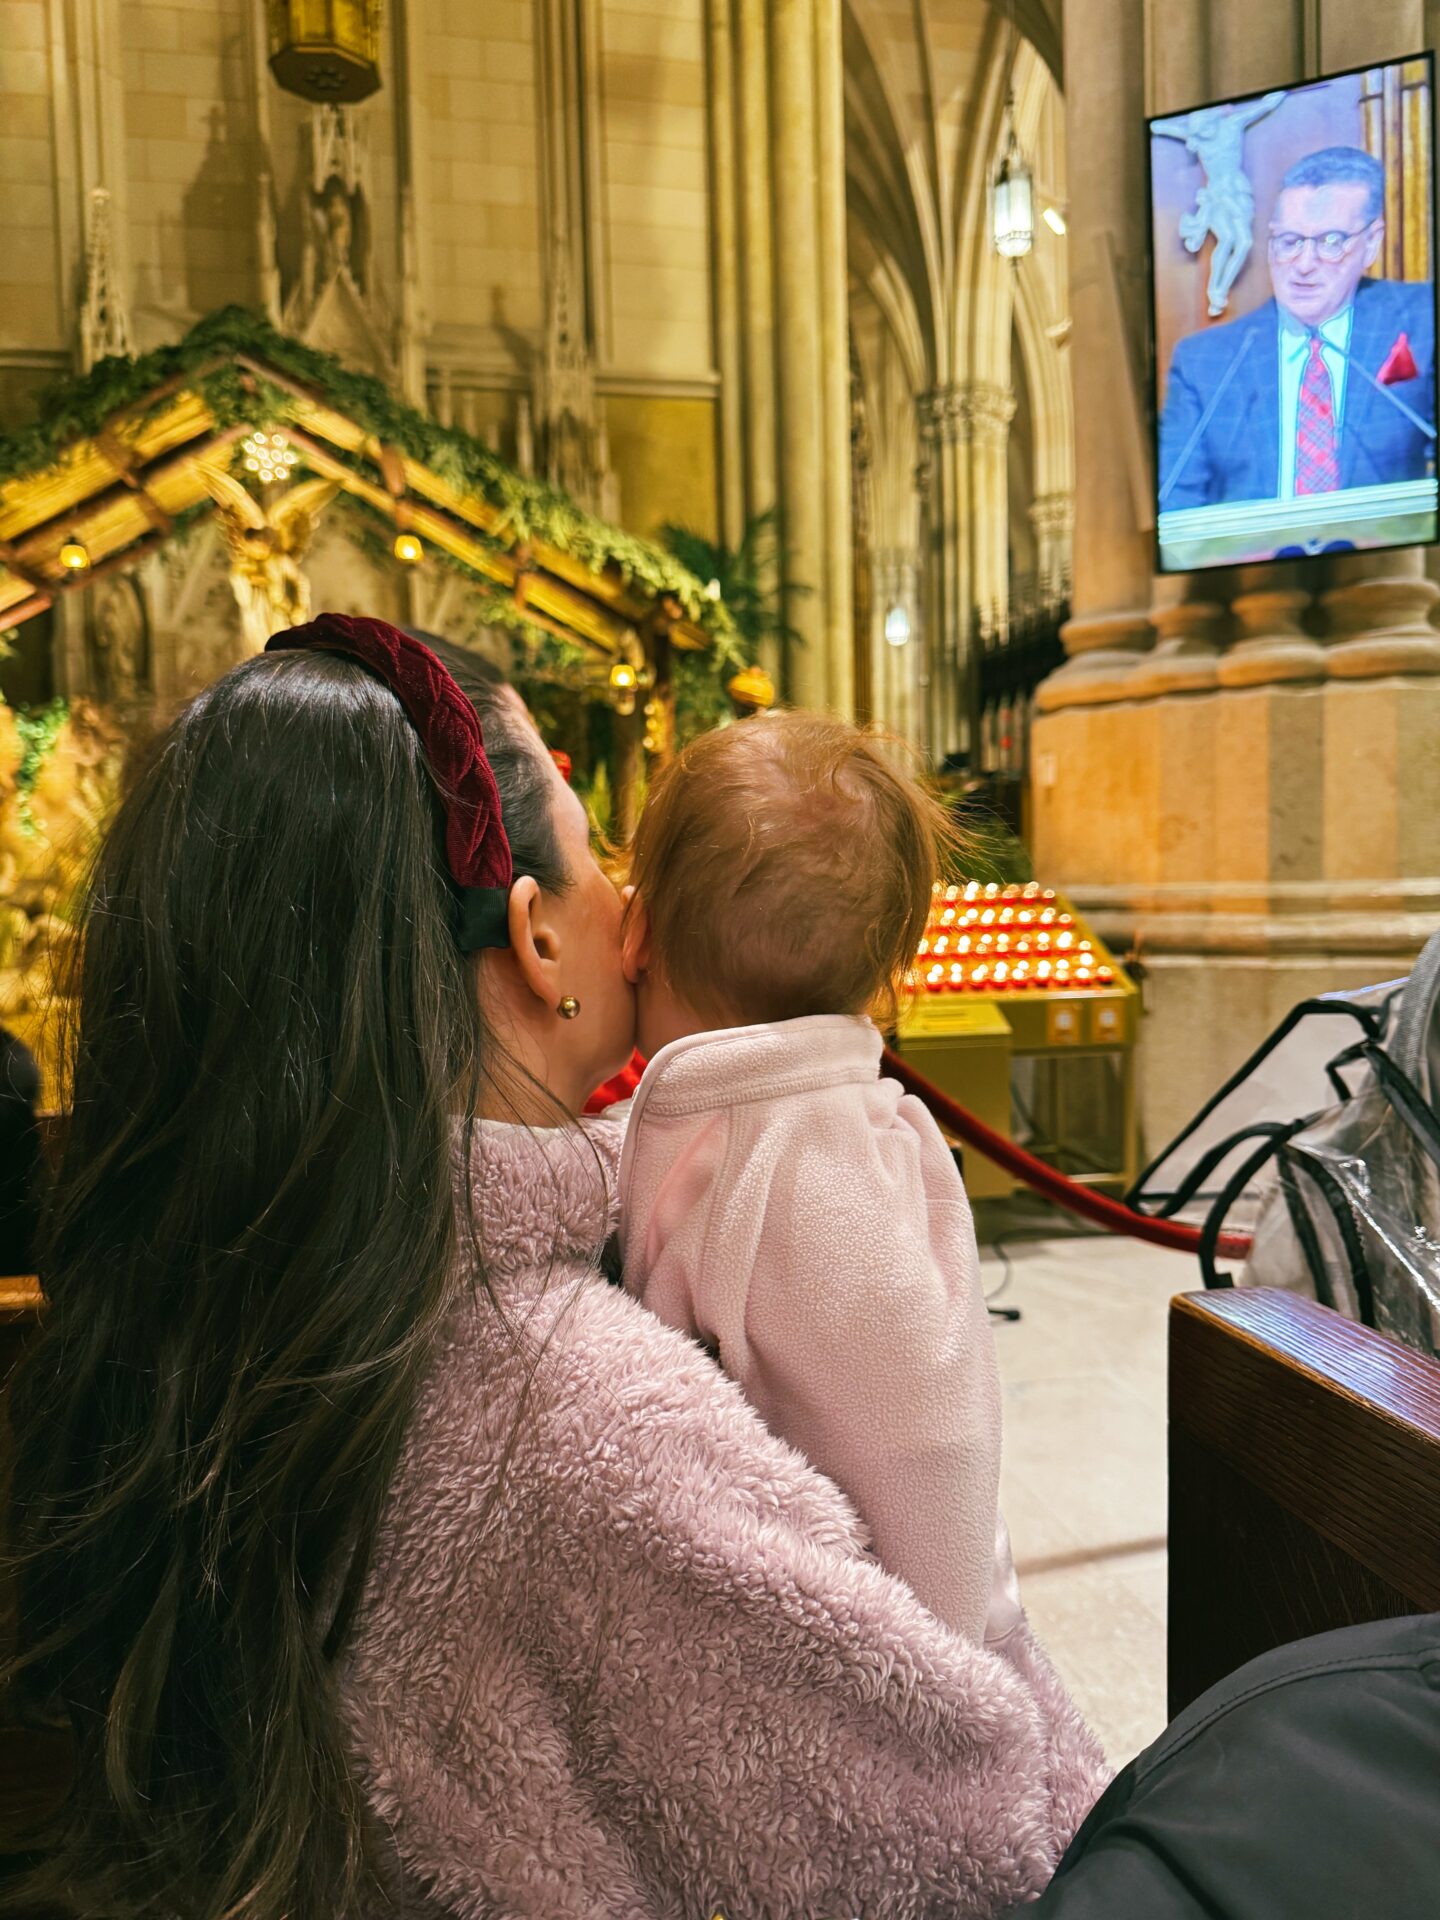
[1293, 282]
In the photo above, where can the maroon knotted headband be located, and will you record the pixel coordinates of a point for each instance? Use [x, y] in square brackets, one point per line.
[477, 851]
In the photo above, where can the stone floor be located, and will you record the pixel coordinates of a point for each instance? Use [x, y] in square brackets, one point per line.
[1084, 1474]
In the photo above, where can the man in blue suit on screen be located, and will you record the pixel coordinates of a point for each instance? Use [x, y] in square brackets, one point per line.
[1332, 382]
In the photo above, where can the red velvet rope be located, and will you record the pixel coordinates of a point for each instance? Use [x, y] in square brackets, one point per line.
[1054, 1185]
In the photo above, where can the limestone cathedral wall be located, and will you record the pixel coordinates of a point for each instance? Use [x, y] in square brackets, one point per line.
[510, 141]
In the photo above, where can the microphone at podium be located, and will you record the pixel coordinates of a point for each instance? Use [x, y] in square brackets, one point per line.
[1386, 392]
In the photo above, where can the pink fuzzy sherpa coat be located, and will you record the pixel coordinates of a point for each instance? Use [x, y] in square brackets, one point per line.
[657, 1676]
[802, 1216]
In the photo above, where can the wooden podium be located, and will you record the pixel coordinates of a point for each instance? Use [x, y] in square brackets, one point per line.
[1402, 515]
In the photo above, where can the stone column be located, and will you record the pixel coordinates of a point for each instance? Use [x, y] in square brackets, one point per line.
[101, 181]
[944, 432]
[896, 575]
[1381, 796]
[1273, 645]
[1185, 655]
[412, 160]
[726, 266]
[921, 640]
[1379, 605]
[1381, 624]
[1188, 619]
[1052, 516]
[989, 409]
[787, 152]
[756, 271]
[1265, 822]
[1104, 105]
[799, 340]
[835, 354]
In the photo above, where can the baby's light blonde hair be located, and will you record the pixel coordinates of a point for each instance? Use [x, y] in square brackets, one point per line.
[787, 868]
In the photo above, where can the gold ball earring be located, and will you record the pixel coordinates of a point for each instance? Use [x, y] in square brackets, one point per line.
[568, 1007]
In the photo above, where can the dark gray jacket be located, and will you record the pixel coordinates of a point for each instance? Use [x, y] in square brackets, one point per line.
[1305, 1786]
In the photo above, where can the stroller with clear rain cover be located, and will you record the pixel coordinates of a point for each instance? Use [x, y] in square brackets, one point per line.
[1326, 1147]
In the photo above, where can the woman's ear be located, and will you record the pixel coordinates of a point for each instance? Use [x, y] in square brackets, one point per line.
[534, 943]
[634, 937]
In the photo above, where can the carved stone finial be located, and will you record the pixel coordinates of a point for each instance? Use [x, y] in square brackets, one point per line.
[573, 447]
[270, 302]
[104, 321]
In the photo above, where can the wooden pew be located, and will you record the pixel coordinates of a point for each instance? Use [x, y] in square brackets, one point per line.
[1304, 1480]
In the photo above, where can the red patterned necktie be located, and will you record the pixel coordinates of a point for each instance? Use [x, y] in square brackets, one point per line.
[1317, 462]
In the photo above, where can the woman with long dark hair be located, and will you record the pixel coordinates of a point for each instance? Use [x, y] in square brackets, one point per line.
[381, 1556]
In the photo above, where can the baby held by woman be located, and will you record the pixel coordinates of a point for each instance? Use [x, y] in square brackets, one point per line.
[780, 1201]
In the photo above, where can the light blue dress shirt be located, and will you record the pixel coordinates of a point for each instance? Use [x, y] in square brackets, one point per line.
[1294, 352]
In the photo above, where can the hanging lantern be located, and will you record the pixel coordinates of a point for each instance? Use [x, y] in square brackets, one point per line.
[1012, 203]
[897, 626]
[408, 549]
[326, 50]
[74, 556]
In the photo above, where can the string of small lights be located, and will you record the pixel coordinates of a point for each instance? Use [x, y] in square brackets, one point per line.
[269, 457]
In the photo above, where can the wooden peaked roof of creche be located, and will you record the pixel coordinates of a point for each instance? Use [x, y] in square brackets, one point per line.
[115, 462]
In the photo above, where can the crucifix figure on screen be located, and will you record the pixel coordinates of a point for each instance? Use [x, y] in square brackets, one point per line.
[1225, 204]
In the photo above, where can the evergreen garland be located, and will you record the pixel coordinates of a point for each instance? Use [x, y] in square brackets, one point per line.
[37, 728]
[76, 408]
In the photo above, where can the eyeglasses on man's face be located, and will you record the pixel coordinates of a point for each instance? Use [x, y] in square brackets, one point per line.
[1329, 247]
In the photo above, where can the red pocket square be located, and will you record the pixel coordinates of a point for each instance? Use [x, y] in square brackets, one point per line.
[1399, 363]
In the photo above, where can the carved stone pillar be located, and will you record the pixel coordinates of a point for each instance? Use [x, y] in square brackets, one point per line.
[1273, 646]
[1052, 516]
[988, 412]
[1186, 652]
[782, 324]
[1379, 602]
[1104, 650]
[726, 266]
[797, 340]
[1104, 103]
[1382, 626]
[896, 573]
[1279, 835]
[924, 476]
[944, 433]
[100, 180]
[834, 302]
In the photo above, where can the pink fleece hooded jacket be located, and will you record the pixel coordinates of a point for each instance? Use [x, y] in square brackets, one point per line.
[622, 1655]
[804, 1219]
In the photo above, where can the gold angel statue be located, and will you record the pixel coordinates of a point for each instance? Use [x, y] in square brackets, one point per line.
[266, 546]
